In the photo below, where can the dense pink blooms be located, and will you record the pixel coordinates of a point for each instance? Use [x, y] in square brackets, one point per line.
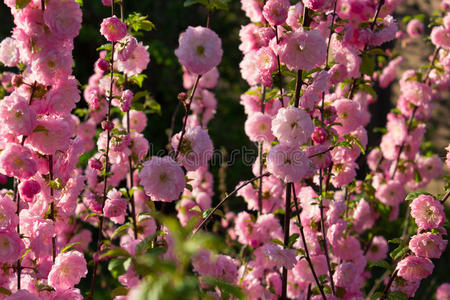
[348, 115]
[276, 11]
[258, 127]
[196, 148]
[378, 249]
[9, 55]
[8, 217]
[113, 29]
[200, 49]
[292, 126]
[162, 179]
[414, 268]
[282, 257]
[50, 135]
[415, 28]
[11, 246]
[63, 18]
[18, 118]
[427, 245]
[302, 49]
[17, 161]
[115, 206]
[67, 271]
[289, 164]
[427, 212]
[136, 62]
[22, 295]
[391, 193]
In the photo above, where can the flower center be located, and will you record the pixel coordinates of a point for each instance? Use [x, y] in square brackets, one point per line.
[200, 50]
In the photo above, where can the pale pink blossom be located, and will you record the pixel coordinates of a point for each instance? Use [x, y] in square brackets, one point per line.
[443, 292]
[200, 49]
[258, 127]
[427, 212]
[276, 11]
[414, 268]
[50, 135]
[67, 271]
[9, 55]
[115, 206]
[348, 115]
[292, 126]
[138, 120]
[8, 217]
[18, 118]
[391, 193]
[17, 161]
[162, 179]
[63, 18]
[302, 49]
[415, 28]
[282, 257]
[11, 246]
[428, 245]
[136, 62]
[288, 163]
[378, 249]
[113, 29]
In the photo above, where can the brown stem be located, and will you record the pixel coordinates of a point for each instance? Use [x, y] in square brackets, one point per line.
[307, 256]
[280, 77]
[388, 286]
[260, 155]
[52, 205]
[107, 168]
[225, 199]
[287, 218]
[188, 110]
[445, 197]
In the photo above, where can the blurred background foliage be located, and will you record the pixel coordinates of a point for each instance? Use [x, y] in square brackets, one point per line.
[164, 82]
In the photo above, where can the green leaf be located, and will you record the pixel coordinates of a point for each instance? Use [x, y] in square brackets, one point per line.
[115, 266]
[382, 264]
[69, 247]
[397, 295]
[406, 19]
[119, 291]
[367, 65]
[120, 230]
[105, 47]
[115, 252]
[396, 241]
[79, 2]
[22, 3]
[225, 287]
[292, 239]
[377, 295]
[5, 291]
[56, 184]
[414, 195]
[399, 252]
[368, 89]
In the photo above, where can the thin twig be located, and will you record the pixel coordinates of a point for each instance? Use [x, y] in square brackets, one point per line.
[260, 155]
[225, 199]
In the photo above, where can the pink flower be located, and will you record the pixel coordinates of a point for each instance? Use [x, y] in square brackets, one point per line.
[391, 193]
[414, 268]
[196, 148]
[302, 270]
[348, 115]
[292, 126]
[62, 97]
[17, 161]
[378, 249]
[200, 49]
[415, 28]
[427, 212]
[162, 179]
[29, 188]
[137, 61]
[113, 29]
[397, 129]
[303, 50]
[427, 245]
[8, 217]
[9, 55]
[443, 292]
[389, 72]
[138, 120]
[347, 248]
[51, 65]
[289, 164]
[22, 295]
[63, 18]
[126, 47]
[276, 11]
[281, 257]
[429, 167]
[258, 127]
[440, 36]
[18, 118]
[266, 62]
[67, 271]
[11, 246]
[50, 135]
[344, 275]
[295, 15]
[115, 206]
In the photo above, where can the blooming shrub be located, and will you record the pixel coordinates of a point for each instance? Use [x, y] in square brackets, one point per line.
[87, 203]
